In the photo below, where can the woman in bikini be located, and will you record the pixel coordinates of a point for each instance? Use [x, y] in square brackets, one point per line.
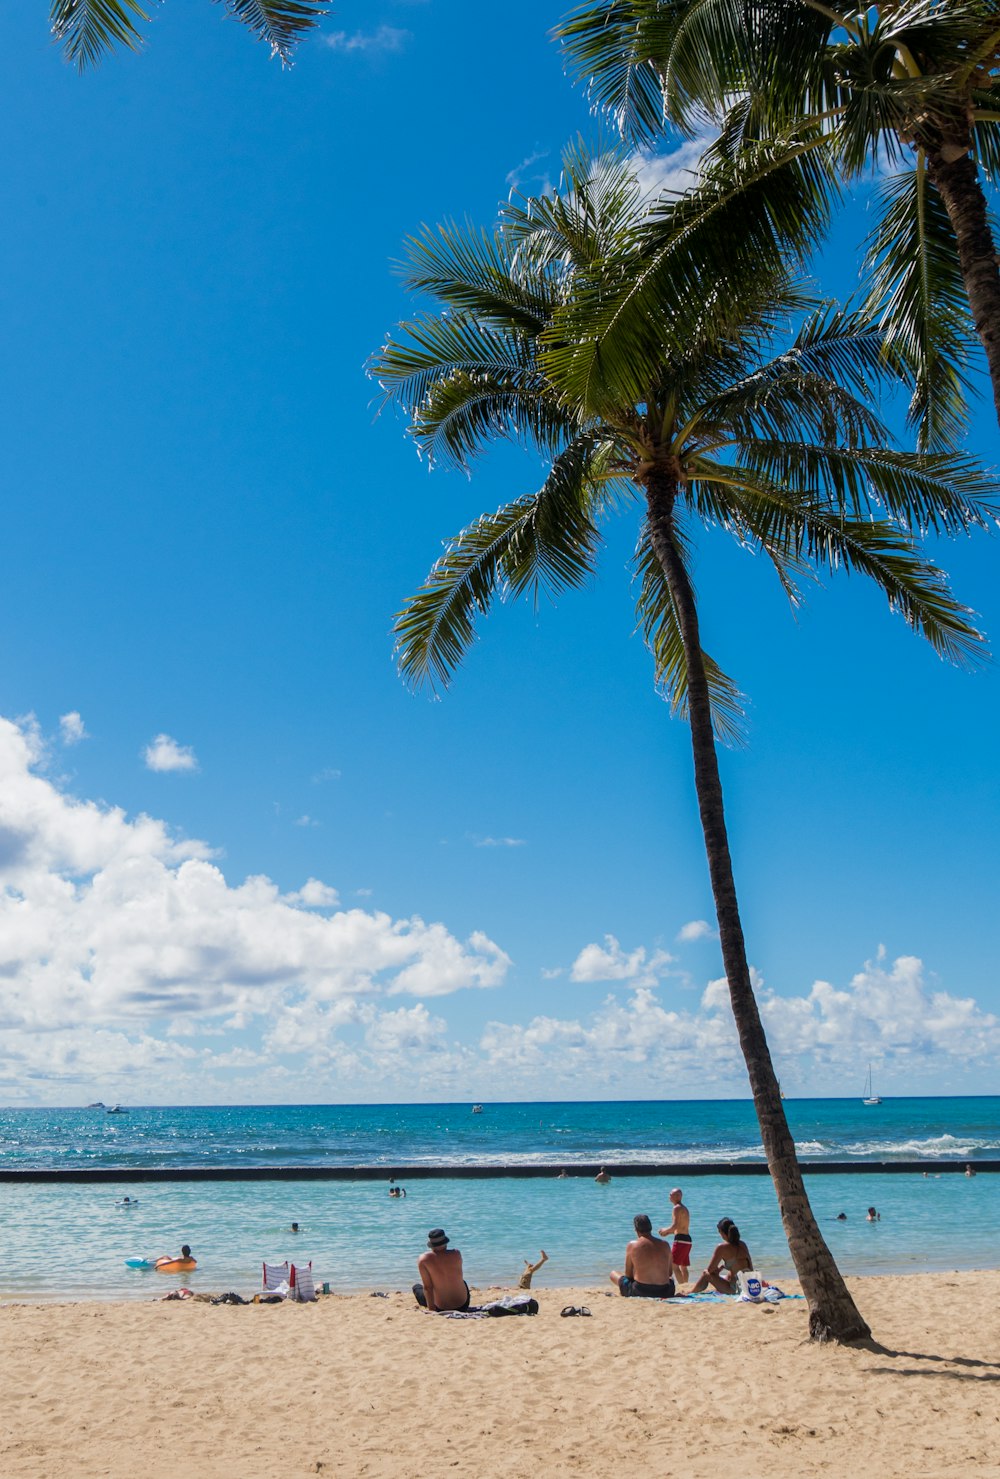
[731, 1257]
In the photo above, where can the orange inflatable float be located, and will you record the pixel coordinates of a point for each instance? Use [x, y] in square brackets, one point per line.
[182, 1265]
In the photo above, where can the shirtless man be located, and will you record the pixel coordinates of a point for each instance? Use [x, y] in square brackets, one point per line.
[680, 1231]
[442, 1284]
[648, 1265]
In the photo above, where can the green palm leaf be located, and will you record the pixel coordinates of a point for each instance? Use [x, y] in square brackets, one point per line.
[88, 29]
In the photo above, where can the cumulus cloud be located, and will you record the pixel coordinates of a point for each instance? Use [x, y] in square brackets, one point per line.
[889, 1012]
[382, 39]
[695, 929]
[71, 728]
[673, 172]
[116, 937]
[165, 754]
[609, 962]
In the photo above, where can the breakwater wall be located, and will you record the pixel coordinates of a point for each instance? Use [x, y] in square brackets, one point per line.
[678, 1170]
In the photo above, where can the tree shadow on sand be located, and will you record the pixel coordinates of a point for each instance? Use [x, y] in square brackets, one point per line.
[974, 1369]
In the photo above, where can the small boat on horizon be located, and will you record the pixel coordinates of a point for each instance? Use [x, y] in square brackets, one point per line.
[870, 1096]
[477, 1109]
[97, 1104]
[116, 1109]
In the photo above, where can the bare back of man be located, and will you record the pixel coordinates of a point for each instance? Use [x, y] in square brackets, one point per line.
[649, 1267]
[442, 1281]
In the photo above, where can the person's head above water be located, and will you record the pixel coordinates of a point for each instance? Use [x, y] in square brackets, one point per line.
[185, 1251]
[642, 1225]
[295, 1227]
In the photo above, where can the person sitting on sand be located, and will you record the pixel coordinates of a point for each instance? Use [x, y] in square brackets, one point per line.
[602, 1178]
[524, 1282]
[731, 1257]
[873, 1216]
[680, 1231]
[442, 1284]
[648, 1266]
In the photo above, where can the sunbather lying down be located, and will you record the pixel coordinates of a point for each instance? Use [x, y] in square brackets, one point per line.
[524, 1282]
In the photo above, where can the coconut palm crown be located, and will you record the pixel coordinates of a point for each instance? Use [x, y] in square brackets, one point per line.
[908, 85]
[737, 423]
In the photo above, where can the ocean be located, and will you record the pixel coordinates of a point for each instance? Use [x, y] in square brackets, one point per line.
[70, 1241]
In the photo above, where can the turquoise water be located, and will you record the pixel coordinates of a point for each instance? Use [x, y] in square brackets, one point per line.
[448, 1134]
[70, 1241]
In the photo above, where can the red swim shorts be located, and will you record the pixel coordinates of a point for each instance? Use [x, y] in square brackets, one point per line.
[681, 1252]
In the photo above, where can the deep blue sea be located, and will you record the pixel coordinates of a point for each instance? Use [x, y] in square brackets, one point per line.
[71, 1241]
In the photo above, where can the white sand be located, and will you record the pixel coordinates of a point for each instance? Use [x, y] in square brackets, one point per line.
[360, 1386]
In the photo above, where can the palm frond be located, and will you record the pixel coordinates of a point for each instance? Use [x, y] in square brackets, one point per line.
[656, 619]
[281, 24]
[736, 231]
[89, 29]
[917, 290]
[547, 538]
[817, 530]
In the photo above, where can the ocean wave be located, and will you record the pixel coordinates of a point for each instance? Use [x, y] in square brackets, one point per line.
[934, 1147]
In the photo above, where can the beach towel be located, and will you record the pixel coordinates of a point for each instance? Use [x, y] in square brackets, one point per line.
[277, 1278]
[303, 1288]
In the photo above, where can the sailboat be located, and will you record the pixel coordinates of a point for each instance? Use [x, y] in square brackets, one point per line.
[870, 1096]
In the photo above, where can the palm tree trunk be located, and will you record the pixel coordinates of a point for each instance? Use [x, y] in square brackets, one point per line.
[833, 1314]
[952, 170]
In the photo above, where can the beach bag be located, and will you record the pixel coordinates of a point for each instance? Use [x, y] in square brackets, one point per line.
[751, 1286]
[515, 1304]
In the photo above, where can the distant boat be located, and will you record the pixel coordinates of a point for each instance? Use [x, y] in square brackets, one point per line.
[97, 1104]
[117, 1109]
[870, 1096]
[477, 1109]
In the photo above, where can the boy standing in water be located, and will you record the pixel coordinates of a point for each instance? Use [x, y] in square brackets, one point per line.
[680, 1231]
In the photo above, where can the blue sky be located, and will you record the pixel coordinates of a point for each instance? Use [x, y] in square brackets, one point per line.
[208, 531]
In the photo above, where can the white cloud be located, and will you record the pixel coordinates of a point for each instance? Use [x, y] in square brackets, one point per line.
[382, 39]
[676, 171]
[165, 754]
[328, 773]
[313, 895]
[888, 1013]
[71, 728]
[116, 936]
[306, 821]
[695, 929]
[608, 962]
[517, 174]
[499, 842]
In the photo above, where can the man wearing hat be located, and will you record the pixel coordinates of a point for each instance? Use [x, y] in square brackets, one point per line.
[442, 1284]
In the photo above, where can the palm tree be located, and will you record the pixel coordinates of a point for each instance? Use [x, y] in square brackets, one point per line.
[90, 29]
[776, 444]
[911, 84]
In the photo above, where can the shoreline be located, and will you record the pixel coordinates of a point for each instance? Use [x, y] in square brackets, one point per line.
[357, 1386]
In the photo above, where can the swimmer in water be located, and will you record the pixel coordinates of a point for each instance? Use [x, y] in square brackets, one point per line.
[129, 1202]
[873, 1216]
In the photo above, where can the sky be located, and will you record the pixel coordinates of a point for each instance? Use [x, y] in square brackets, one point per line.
[239, 860]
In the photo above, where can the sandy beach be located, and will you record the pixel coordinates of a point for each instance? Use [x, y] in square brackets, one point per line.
[360, 1386]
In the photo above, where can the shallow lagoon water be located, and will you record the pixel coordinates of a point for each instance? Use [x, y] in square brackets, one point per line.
[71, 1242]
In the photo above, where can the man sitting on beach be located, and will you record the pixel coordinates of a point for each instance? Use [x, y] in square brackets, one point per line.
[680, 1231]
[648, 1265]
[442, 1284]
